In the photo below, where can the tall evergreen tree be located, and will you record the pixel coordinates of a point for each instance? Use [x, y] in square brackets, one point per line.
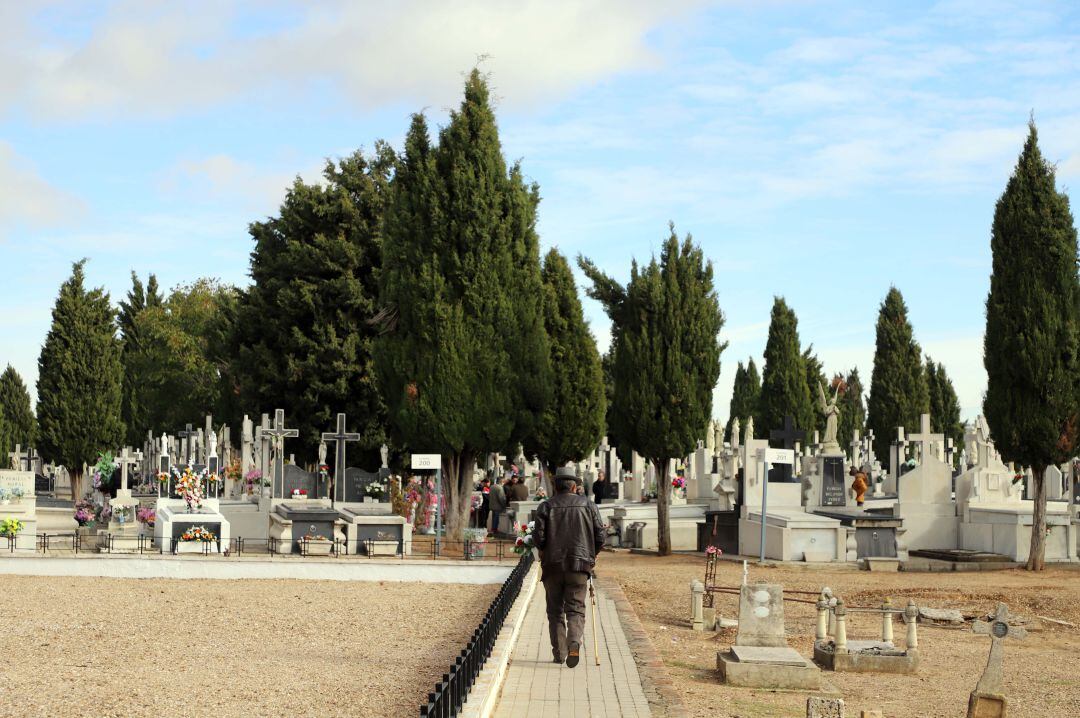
[138, 298]
[852, 410]
[17, 422]
[1032, 336]
[178, 358]
[303, 334]
[898, 393]
[944, 405]
[573, 422]
[815, 375]
[745, 395]
[666, 324]
[79, 378]
[463, 360]
[784, 390]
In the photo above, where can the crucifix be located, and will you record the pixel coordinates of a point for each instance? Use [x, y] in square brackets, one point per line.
[279, 433]
[988, 698]
[187, 435]
[925, 439]
[790, 436]
[856, 449]
[339, 440]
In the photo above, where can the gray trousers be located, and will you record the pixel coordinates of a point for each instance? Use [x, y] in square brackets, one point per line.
[565, 608]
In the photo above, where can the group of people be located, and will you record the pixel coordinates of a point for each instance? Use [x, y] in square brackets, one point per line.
[496, 497]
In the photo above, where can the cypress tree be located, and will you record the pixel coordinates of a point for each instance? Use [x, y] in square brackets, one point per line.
[784, 390]
[815, 375]
[852, 410]
[463, 359]
[79, 378]
[666, 323]
[573, 422]
[944, 405]
[303, 335]
[17, 422]
[138, 298]
[745, 395]
[898, 392]
[1032, 336]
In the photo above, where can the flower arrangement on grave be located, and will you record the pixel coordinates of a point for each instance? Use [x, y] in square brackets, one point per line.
[233, 470]
[102, 473]
[299, 493]
[198, 533]
[713, 551]
[4, 493]
[679, 482]
[84, 514]
[375, 489]
[163, 477]
[430, 506]
[541, 494]
[475, 502]
[410, 498]
[324, 472]
[315, 537]
[524, 541]
[252, 479]
[146, 515]
[1018, 477]
[10, 527]
[476, 536]
[17, 493]
[190, 487]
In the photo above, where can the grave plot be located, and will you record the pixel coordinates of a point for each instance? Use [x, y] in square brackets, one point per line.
[231, 649]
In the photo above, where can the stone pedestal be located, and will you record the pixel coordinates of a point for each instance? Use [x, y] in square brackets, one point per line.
[377, 535]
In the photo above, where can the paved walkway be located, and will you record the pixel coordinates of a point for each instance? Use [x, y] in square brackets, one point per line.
[535, 686]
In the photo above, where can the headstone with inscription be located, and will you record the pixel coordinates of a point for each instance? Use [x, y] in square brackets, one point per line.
[833, 485]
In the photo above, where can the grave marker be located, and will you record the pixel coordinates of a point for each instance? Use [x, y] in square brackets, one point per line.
[278, 433]
[988, 700]
[339, 438]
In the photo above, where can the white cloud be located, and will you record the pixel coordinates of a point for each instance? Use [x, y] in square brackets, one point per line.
[234, 181]
[28, 199]
[154, 58]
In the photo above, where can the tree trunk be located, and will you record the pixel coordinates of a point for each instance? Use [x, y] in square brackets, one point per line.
[76, 485]
[663, 509]
[1037, 553]
[457, 489]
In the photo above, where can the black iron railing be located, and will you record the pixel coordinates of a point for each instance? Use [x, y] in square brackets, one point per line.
[450, 693]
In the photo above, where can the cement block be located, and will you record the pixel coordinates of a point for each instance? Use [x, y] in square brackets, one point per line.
[771, 676]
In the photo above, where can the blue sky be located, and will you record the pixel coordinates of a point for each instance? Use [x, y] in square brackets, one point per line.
[817, 150]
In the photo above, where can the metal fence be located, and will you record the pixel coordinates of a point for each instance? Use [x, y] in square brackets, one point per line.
[450, 693]
[423, 548]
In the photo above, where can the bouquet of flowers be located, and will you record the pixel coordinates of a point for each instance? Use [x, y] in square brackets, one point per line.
[103, 472]
[1018, 478]
[252, 479]
[476, 502]
[315, 537]
[375, 489]
[17, 492]
[163, 477]
[541, 494]
[299, 493]
[198, 533]
[713, 551]
[232, 471]
[9, 527]
[190, 487]
[87, 514]
[679, 482]
[146, 515]
[524, 541]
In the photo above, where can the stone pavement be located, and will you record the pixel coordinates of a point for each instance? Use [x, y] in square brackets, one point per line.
[535, 686]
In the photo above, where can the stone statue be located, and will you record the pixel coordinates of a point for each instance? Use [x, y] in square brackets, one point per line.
[832, 413]
[749, 430]
[710, 437]
[719, 437]
[212, 444]
[164, 445]
[736, 440]
[322, 453]
[384, 452]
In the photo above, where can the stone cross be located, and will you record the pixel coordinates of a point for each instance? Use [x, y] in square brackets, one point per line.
[125, 460]
[187, 435]
[339, 440]
[279, 434]
[925, 439]
[207, 433]
[856, 449]
[988, 690]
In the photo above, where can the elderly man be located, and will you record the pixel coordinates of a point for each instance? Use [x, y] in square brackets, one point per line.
[569, 533]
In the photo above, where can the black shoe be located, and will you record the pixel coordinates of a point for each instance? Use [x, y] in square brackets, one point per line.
[573, 657]
[558, 660]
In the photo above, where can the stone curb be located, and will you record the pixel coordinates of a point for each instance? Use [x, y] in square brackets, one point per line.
[664, 700]
[484, 695]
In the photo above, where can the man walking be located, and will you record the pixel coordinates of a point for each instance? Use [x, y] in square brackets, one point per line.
[569, 533]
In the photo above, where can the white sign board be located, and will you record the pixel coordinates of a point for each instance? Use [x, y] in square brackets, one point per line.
[426, 461]
[778, 456]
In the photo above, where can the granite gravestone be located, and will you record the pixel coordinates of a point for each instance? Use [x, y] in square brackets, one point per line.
[833, 488]
[789, 436]
[296, 479]
[354, 488]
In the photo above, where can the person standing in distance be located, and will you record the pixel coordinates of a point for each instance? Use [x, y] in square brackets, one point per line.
[568, 533]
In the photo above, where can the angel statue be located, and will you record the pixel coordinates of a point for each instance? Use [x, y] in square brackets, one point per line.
[832, 412]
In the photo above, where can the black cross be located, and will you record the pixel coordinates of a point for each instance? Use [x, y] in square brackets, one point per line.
[789, 435]
[187, 433]
[339, 440]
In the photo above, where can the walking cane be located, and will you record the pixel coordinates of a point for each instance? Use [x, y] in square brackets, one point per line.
[595, 647]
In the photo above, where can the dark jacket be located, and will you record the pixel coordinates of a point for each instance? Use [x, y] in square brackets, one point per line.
[519, 492]
[569, 533]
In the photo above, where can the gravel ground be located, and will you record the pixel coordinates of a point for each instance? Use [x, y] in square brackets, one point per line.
[124, 647]
[1042, 673]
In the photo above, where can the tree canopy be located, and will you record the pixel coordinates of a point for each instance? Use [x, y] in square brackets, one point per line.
[784, 389]
[745, 397]
[17, 423]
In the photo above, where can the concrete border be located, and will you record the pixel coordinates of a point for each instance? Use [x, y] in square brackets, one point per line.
[201, 567]
[485, 693]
